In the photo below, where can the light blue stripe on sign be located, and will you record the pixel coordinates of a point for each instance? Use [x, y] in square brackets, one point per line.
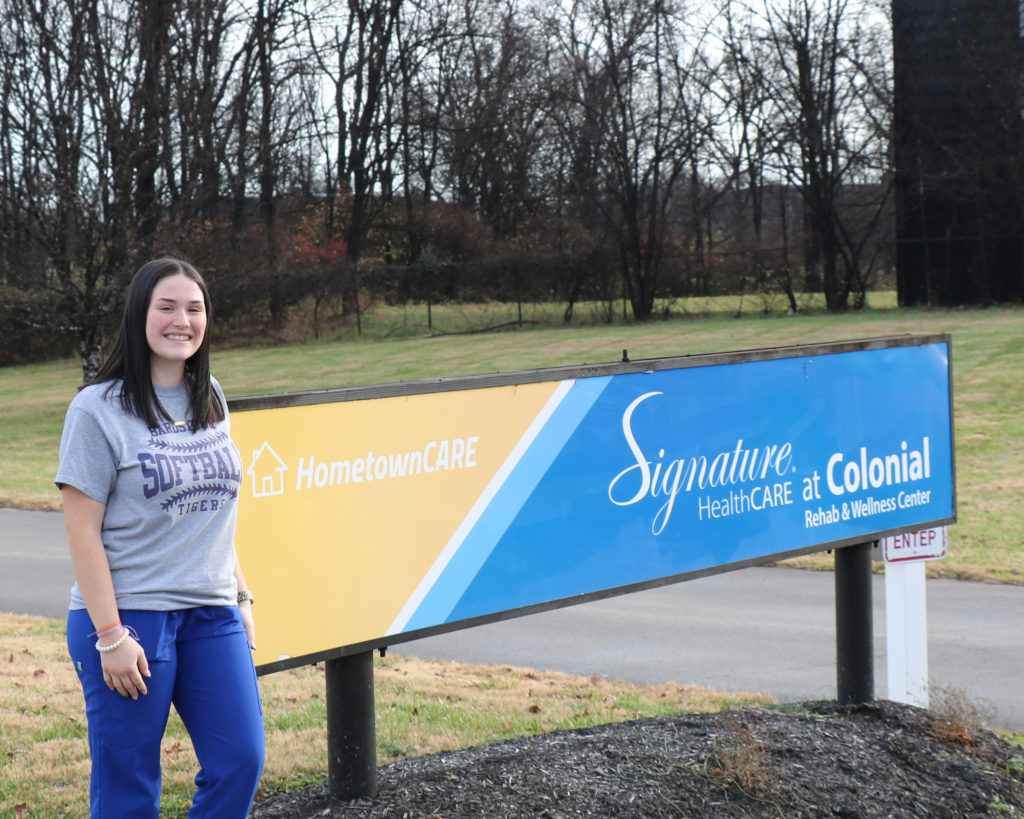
[478, 543]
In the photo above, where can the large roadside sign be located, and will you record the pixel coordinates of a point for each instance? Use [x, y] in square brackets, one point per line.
[374, 515]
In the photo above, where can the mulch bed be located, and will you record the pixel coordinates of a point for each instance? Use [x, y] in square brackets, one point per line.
[817, 759]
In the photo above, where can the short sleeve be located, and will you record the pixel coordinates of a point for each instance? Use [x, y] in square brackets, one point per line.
[87, 461]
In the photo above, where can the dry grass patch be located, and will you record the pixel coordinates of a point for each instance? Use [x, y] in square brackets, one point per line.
[426, 706]
[954, 717]
[43, 748]
[742, 760]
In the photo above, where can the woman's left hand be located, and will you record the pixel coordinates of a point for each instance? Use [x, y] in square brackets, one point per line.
[245, 608]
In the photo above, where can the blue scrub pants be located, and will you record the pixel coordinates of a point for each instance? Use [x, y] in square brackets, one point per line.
[200, 662]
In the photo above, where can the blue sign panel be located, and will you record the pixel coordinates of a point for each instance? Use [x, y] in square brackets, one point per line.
[647, 476]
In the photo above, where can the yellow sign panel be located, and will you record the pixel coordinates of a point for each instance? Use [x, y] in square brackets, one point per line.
[346, 506]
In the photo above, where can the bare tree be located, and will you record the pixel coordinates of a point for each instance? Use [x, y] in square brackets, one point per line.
[428, 37]
[744, 144]
[268, 139]
[626, 71]
[210, 59]
[699, 118]
[357, 54]
[75, 137]
[822, 87]
[492, 116]
[154, 40]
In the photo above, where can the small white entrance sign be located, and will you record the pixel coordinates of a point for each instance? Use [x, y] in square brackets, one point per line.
[906, 625]
[927, 544]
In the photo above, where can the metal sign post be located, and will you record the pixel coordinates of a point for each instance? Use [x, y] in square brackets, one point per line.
[351, 727]
[855, 664]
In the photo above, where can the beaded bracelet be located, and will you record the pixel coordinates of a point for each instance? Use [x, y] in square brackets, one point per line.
[116, 644]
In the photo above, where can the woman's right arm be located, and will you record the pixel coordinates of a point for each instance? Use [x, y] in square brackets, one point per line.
[125, 666]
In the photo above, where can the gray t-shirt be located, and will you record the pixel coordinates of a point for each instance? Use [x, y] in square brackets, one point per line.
[170, 493]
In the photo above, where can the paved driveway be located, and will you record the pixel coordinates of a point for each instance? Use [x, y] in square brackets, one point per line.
[759, 629]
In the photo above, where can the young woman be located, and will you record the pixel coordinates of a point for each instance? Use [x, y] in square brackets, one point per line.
[160, 613]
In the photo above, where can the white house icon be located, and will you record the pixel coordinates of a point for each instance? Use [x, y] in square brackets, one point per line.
[267, 472]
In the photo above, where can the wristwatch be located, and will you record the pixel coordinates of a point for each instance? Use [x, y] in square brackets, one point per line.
[244, 595]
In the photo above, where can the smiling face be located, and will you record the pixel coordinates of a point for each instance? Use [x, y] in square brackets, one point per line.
[175, 324]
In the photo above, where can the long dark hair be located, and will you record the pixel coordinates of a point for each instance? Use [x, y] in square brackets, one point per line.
[129, 360]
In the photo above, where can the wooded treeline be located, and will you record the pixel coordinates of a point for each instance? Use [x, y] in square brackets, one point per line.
[608, 150]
